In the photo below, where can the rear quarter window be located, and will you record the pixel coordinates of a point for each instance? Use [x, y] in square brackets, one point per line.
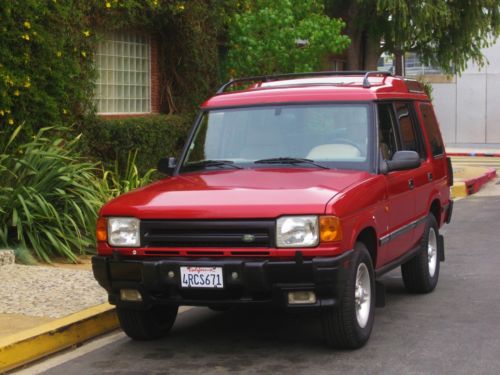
[432, 129]
[410, 134]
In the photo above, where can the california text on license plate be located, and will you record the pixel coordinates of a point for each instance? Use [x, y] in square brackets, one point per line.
[202, 277]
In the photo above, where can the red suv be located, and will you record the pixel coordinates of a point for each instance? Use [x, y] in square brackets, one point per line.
[296, 190]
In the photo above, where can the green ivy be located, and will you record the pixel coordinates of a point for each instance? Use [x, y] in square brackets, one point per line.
[46, 55]
[46, 73]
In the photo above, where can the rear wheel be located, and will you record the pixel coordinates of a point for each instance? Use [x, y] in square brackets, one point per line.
[421, 273]
[148, 324]
[348, 326]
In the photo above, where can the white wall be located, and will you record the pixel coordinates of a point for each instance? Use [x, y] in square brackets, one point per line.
[468, 109]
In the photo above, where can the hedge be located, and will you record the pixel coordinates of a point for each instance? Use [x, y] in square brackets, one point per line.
[154, 136]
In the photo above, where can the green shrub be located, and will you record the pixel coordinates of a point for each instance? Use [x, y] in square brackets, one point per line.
[116, 182]
[49, 197]
[153, 137]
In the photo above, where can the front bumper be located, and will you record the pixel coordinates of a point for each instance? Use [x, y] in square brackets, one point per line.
[260, 281]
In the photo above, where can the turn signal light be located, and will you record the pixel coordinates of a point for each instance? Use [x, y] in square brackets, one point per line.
[330, 229]
[102, 229]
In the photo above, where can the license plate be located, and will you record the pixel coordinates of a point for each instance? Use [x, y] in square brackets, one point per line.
[202, 277]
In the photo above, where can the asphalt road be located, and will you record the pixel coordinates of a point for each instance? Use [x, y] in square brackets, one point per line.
[455, 330]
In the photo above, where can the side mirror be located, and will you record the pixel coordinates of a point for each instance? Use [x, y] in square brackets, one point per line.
[167, 165]
[401, 161]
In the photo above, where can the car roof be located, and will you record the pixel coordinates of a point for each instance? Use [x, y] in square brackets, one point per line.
[285, 89]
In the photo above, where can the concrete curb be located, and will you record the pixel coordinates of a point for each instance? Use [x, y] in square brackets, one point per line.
[32, 344]
[473, 153]
[472, 185]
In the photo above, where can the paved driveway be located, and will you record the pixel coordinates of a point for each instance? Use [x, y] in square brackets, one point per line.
[455, 330]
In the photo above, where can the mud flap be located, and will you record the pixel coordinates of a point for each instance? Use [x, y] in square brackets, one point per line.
[379, 294]
[440, 248]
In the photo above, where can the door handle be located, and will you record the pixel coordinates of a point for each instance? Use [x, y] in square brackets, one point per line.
[411, 183]
[429, 176]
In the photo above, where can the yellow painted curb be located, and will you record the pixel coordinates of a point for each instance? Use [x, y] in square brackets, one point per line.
[459, 190]
[34, 343]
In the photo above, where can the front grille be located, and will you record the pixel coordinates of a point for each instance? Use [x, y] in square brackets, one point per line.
[207, 233]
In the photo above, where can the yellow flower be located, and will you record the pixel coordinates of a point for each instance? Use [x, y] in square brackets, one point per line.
[2, 112]
[180, 7]
[84, 54]
[16, 93]
[108, 4]
[25, 37]
[155, 3]
[27, 25]
[58, 53]
[27, 84]
[65, 111]
[11, 122]
[86, 33]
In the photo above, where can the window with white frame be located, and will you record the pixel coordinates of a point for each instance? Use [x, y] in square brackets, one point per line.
[124, 81]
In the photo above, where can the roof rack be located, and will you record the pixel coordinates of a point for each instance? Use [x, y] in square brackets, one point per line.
[276, 77]
[374, 73]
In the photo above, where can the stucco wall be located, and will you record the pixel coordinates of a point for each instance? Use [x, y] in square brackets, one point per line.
[468, 109]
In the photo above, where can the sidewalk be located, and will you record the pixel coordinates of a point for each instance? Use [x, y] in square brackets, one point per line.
[473, 168]
[45, 309]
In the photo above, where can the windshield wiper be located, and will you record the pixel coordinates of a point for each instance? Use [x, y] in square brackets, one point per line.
[289, 160]
[213, 163]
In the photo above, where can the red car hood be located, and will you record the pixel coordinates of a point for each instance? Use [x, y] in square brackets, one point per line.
[249, 193]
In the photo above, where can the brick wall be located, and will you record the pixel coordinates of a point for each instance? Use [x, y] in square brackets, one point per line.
[155, 77]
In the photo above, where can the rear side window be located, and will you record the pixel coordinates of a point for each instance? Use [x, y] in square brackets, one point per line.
[386, 131]
[410, 136]
[432, 129]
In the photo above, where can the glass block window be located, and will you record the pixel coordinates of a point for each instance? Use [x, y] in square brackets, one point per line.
[124, 82]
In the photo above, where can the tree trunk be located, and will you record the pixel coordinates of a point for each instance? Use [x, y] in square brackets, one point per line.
[398, 63]
[354, 54]
[372, 52]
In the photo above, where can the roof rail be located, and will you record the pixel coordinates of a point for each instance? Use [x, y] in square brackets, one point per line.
[374, 73]
[277, 77]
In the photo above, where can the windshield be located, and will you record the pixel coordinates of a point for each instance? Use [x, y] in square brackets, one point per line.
[323, 135]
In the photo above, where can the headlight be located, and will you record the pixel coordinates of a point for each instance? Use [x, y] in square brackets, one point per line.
[123, 231]
[297, 231]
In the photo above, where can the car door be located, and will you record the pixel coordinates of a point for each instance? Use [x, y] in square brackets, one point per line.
[437, 176]
[412, 139]
[400, 195]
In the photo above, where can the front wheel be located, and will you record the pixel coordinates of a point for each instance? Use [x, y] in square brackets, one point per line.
[150, 324]
[349, 325]
[421, 273]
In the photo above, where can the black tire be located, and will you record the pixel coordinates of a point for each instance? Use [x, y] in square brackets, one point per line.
[147, 324]
[418, 274]
[341, 324]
